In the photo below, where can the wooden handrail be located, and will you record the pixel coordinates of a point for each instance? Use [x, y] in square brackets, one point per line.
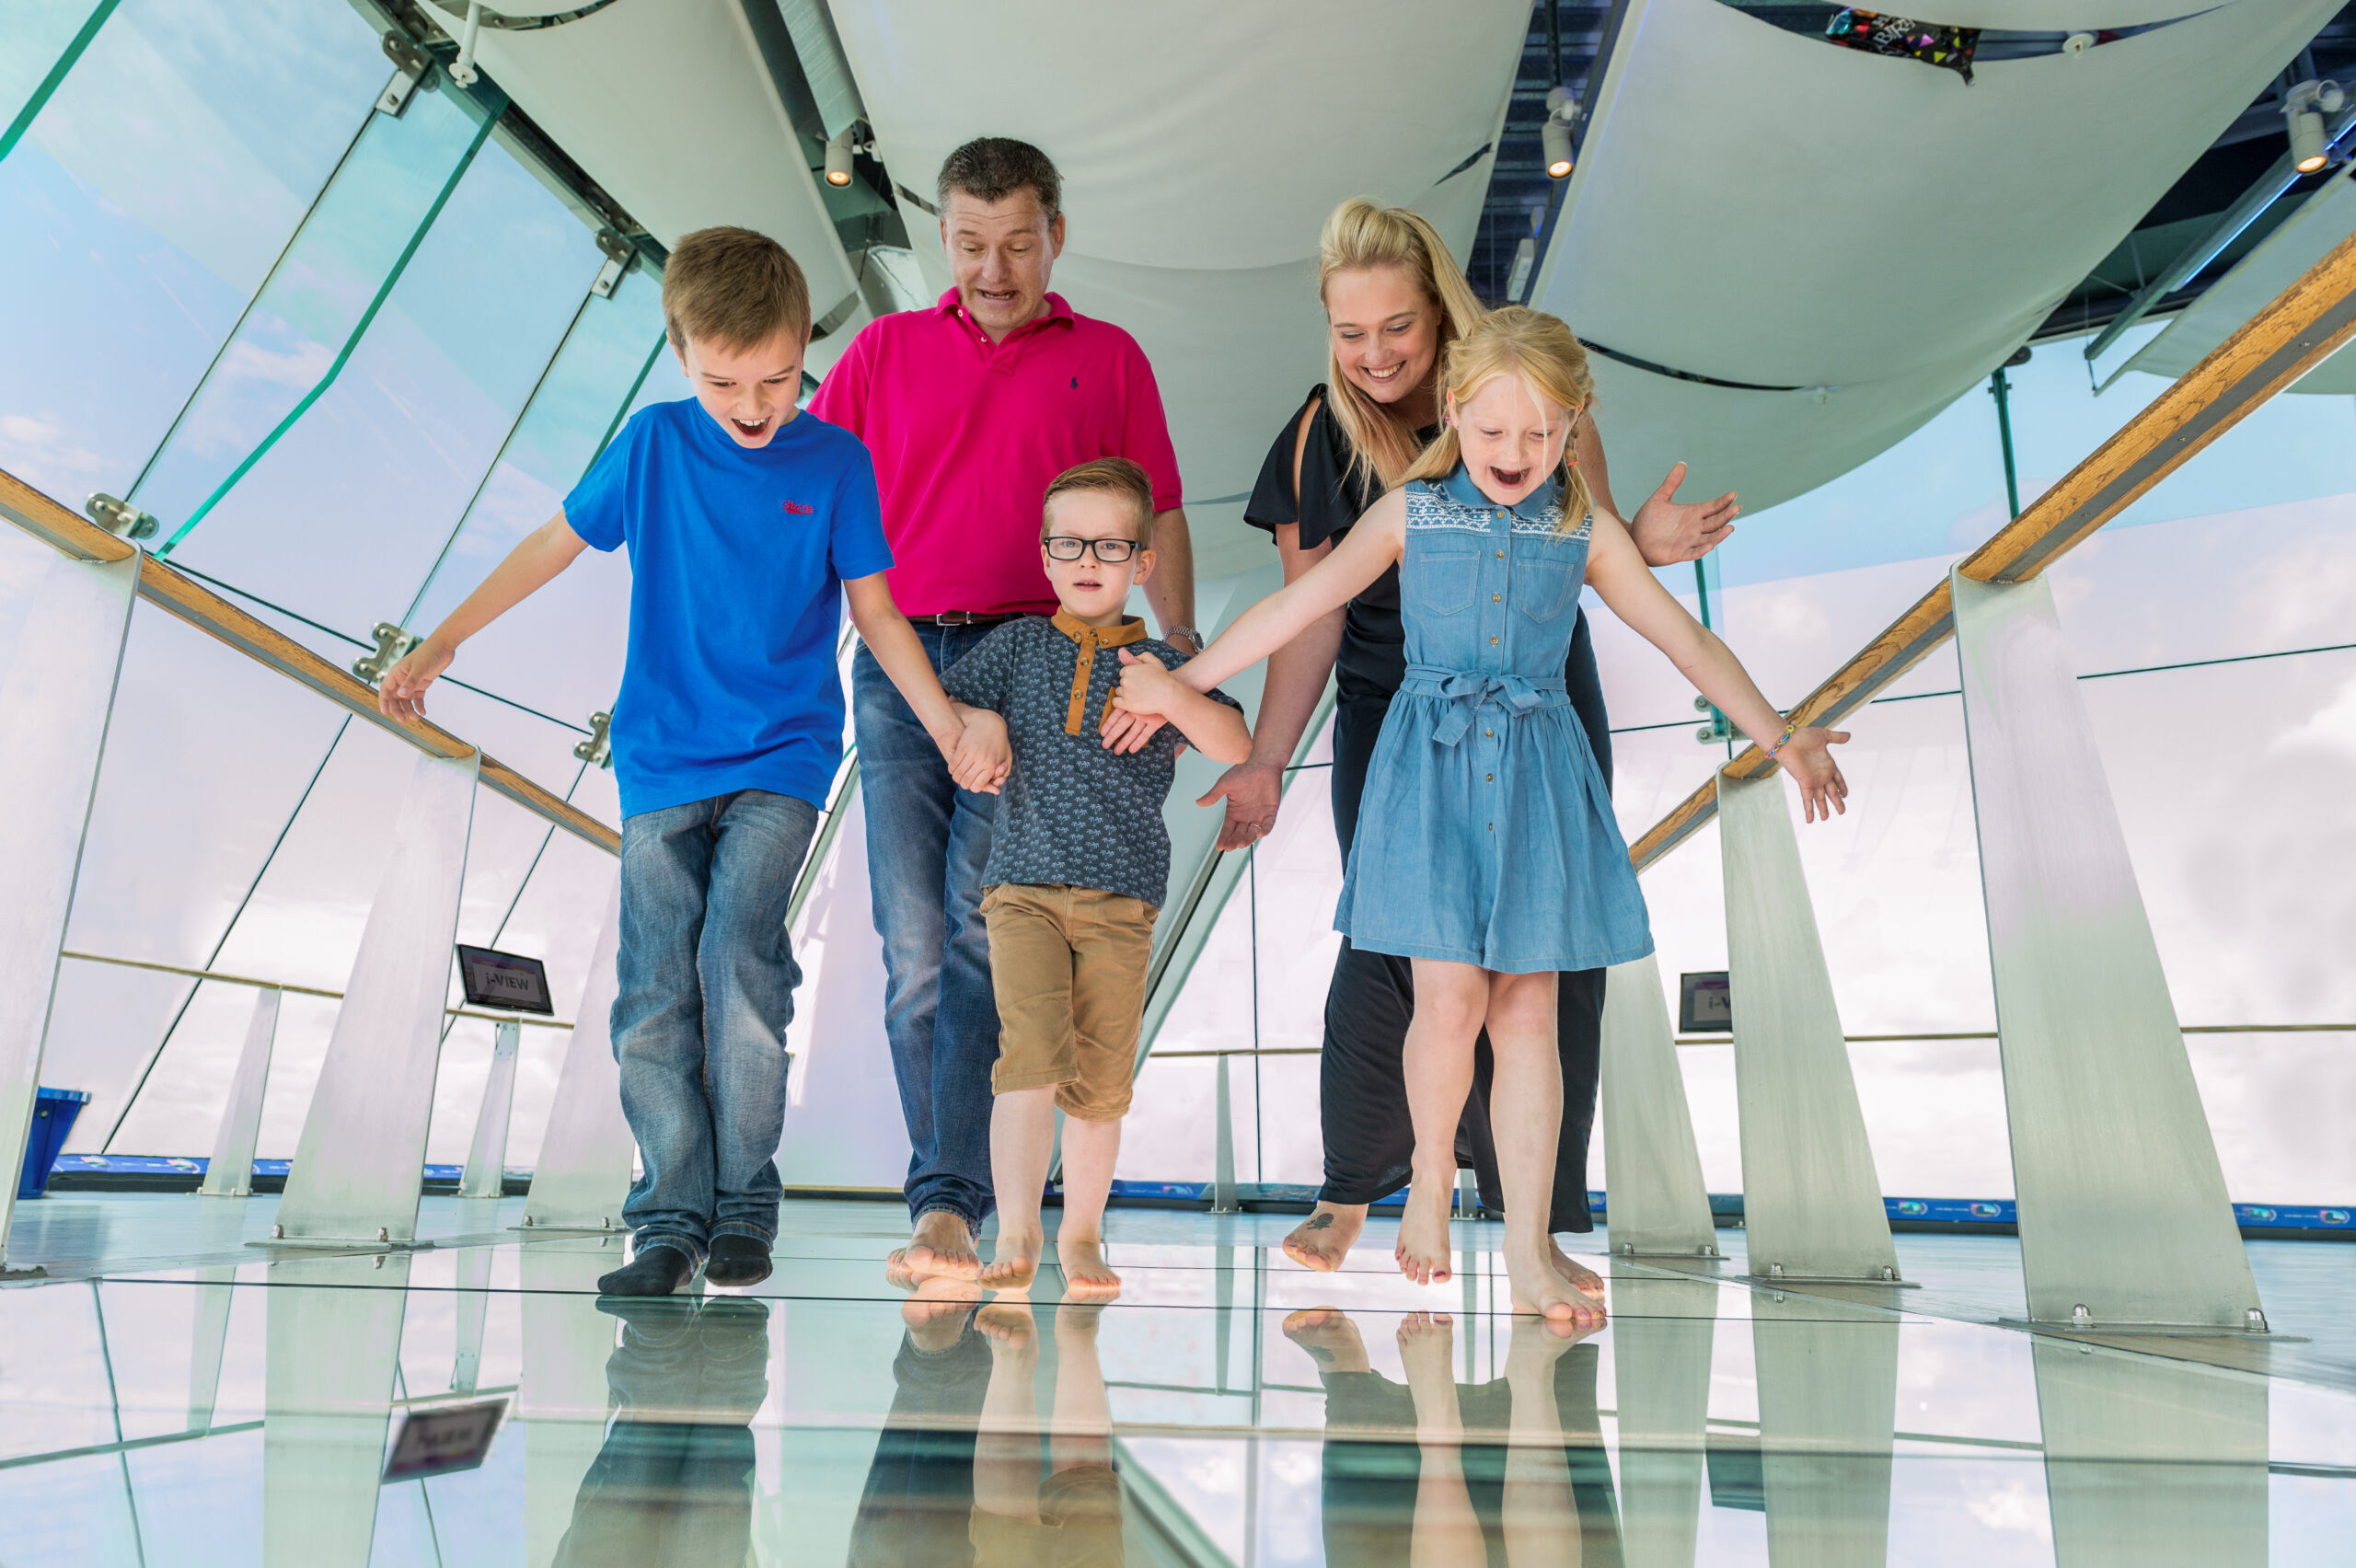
[177, 594]
[2305, 325]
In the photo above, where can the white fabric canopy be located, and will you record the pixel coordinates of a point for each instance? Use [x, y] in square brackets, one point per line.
[1755, 206]
[2323, 219]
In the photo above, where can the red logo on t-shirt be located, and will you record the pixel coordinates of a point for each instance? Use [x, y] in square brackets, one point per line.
[798, 508]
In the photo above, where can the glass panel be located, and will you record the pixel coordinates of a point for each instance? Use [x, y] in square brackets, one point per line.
[145, 205]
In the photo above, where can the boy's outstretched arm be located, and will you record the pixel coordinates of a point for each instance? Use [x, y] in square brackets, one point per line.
[893, 642]
[1209, 725]
[545, 551]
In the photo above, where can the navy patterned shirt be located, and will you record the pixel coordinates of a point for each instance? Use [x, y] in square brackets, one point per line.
[1072, 813]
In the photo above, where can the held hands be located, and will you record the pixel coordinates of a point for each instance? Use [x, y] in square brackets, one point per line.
[1807, 759]
[1141, 703]
[403, 695]
[981, 755]
[1667, 530]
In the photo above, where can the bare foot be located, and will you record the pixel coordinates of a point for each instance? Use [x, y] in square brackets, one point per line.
[1427, 1350]
[1331, 1339]
[1324, 1240]
[1579, 1278]
[1016, 1262]
[1087, 1277]
[936, 1313]
[1422, 1249]
[943, 1244]
[1007, 1322]
[1539, 1342]
[1078, 1317]
[1540, 1292]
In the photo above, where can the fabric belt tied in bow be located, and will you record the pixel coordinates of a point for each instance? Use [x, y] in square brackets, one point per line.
[1467, 692]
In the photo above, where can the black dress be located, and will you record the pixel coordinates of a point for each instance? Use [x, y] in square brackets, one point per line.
[1368, 1137]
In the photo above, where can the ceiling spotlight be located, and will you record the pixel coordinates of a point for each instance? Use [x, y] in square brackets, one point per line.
[1554, 136]
[2303, 106]
[838, 152]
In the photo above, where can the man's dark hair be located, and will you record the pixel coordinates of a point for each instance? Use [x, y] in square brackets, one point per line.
[991, 168]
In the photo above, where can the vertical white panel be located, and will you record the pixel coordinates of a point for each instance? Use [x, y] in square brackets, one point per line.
[58, 665]
[362, 1149]
[1828, 1413]
[2123, 1208]
[486, 1166]
[1652, 1172]
[333, 1340]
[229, 1173]
[584, 1171]
[1811, 1202]
[1660, 1364]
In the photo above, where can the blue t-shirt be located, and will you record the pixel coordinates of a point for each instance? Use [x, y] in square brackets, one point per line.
[737, 558]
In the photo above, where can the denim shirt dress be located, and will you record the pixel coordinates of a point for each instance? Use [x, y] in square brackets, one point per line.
[1485, 835]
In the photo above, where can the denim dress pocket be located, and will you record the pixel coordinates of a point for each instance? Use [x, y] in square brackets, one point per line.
[1440, 575]
[1546, 586]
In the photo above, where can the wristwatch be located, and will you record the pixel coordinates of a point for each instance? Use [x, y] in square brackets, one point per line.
[1189, 633]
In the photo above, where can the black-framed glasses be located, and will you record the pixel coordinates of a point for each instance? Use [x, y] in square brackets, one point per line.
[1112, 552]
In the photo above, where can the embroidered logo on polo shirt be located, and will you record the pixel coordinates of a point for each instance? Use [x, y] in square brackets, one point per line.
[1075, 383]
[798, 508]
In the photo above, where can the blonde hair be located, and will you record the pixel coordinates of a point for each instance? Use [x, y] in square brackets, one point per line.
[733, 287]
[1541, 352]
[1358, 236]
[1116, 476]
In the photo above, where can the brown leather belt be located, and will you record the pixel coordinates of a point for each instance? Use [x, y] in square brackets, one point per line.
[968, 618]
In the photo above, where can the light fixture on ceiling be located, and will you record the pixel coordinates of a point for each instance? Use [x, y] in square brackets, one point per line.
[838, 152]
[1554, 136]
[2303, 106]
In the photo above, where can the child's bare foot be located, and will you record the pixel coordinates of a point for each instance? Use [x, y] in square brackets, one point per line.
[1087, 1277]
[1016, 1262]
[1427, 1350]
[1539, 1342]
[1078, 1317]
[1423, 1251]
[936, 1313]
[1331, 1339]
[942, 1244]
[1539, 1291]
[1324, 1240]
[1009, 1324]
[1585, 1281]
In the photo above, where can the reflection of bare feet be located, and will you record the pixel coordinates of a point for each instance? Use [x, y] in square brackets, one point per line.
[1539, 1291]
[1539, 1342]
[1016, 1262]
[1087, 1277]
[943, 1244]
[936, 1313]
[1324, 1240]
[1422, 1250]
[1577, 1276]
[1007, 1322]
[1427, 1350]
[1331, 1339]
[1074, 1319]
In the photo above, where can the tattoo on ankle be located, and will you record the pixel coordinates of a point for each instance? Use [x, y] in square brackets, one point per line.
[1319, 1222]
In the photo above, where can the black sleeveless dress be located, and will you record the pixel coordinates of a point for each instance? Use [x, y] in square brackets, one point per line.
[1369, 1138]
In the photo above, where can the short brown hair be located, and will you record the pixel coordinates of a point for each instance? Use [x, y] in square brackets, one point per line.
[991, 168]
[1115, 477]
[733, 287]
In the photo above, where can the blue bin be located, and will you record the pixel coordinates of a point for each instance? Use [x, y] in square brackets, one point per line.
[53, 1113]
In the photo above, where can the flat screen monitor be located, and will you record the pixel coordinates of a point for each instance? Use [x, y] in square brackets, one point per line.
[1705, 1004]
[508, 981]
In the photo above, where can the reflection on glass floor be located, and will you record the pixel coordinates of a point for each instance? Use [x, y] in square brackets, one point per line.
[172, 1396]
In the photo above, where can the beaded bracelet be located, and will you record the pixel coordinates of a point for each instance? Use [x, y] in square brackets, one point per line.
[1775, 753]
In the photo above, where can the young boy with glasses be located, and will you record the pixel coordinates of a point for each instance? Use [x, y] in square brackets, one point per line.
[1079, 862]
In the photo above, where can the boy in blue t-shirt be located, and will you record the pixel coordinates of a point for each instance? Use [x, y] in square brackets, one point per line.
[746, 525]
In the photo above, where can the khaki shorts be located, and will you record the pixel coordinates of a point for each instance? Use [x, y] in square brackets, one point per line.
[1068, 965]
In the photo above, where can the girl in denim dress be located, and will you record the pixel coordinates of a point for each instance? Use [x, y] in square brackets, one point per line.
[1487, 853]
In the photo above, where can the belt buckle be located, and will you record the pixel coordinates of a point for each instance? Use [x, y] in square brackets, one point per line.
[956, 618]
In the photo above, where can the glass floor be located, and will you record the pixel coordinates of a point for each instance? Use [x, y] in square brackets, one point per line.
[169, 1395]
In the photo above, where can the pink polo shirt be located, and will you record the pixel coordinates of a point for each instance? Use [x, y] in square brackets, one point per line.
[966, 433]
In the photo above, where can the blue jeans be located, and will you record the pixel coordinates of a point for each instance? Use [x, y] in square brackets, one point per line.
[927, 841]
[707, 981]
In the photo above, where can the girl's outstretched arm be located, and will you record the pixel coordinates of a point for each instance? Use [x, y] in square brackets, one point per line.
[1373, 546]
[1618, 573]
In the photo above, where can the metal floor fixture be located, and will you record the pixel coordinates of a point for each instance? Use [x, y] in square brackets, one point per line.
[168, 1395]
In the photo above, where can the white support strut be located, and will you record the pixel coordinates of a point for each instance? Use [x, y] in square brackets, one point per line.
[2124, 1217]
[584, 1171]
[1652, 1169]
[230, 1172]
[486, 1170]
[58, 667]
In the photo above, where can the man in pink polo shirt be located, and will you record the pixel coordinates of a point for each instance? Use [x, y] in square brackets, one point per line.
[969, 408]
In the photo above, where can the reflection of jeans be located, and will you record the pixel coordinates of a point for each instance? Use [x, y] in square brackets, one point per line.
[673, 1484]
[919, 1498]
[927, 841]
[707, 990]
